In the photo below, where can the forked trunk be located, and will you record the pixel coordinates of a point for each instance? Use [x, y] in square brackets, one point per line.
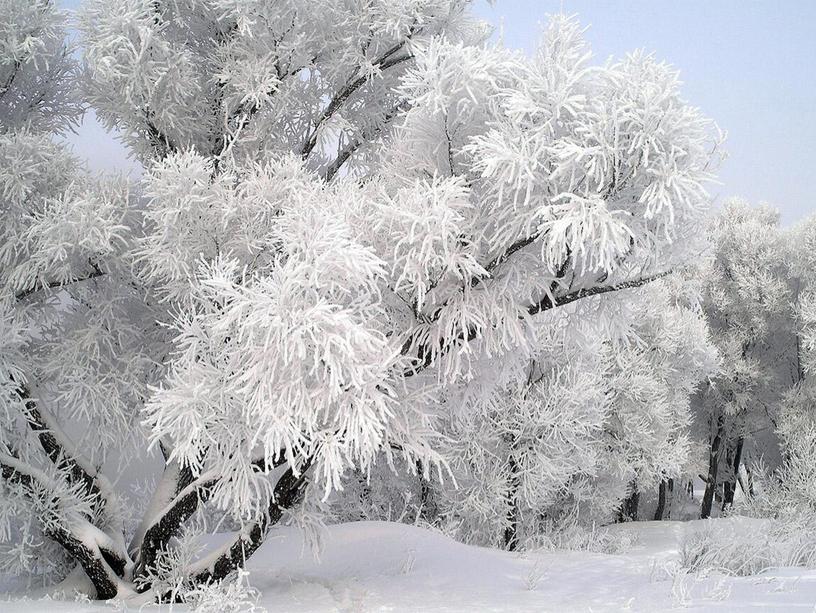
[713, 466]
[734, 463]
[629, 506]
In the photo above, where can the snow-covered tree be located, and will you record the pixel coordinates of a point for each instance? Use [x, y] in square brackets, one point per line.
[790, 492]
[602, 407]
[71, 349]
[748, 297]
[653, 377]
[349, 211]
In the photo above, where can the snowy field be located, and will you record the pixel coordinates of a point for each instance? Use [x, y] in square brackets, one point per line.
[392, 567]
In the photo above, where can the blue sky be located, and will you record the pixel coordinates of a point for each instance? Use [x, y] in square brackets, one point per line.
[750, 65]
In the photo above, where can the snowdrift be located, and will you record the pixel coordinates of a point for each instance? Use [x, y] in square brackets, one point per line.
[377, 566]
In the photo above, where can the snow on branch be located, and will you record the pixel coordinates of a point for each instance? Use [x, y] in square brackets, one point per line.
[547, 303]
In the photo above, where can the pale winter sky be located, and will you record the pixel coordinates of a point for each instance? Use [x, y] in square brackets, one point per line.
[750, 65]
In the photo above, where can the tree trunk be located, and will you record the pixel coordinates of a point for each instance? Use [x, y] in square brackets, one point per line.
[629, 507]
[746, 481]
[713, 465]
[665, 490]
[511, 531]
[103, 566]
[288, 492]
[731, 484]
[427, 503]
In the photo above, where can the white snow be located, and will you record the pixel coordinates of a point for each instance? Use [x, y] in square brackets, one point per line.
[379, 566]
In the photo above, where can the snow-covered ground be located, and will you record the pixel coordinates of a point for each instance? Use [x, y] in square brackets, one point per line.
[392, 567]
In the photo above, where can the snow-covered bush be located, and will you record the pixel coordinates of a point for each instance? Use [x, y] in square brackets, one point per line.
[230, 595]
[570, 533]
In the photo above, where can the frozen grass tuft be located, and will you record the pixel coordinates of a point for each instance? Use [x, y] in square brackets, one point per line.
[735, 548]
[233, 595]
[575, 537]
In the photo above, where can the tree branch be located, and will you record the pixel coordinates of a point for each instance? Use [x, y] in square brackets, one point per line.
[180, 509]
[162, 143]
[241, 116]
[97, 272]
[425, 357]
[61, 453]
[384, 62]
[6, 86]
[174, 478]
[500, 259]
[352, 147]
[546, 303]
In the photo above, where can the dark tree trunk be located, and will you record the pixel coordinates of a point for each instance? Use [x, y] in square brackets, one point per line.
[629, 506]
[427, 503]
[157, 537]
[664, 492]
[101, 565]
[731, 484]
[713, 466]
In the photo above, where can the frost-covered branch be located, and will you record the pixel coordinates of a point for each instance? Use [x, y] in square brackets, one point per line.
[547, 302]
[94, 274]
[349, 150]
[388, 60]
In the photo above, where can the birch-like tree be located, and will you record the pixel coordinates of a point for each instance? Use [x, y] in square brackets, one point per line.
[346, 208]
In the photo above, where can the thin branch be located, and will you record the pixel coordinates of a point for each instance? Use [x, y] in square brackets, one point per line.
[162, 143]
[352, 147]
[383, 63]
[426, 357]
[500, 259]
[241, 117]
[546, 303]
[97, 272]
[6, 86]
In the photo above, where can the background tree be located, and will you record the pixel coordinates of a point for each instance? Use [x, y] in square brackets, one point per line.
[748, 296]
[604, 405]
[789, 493]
